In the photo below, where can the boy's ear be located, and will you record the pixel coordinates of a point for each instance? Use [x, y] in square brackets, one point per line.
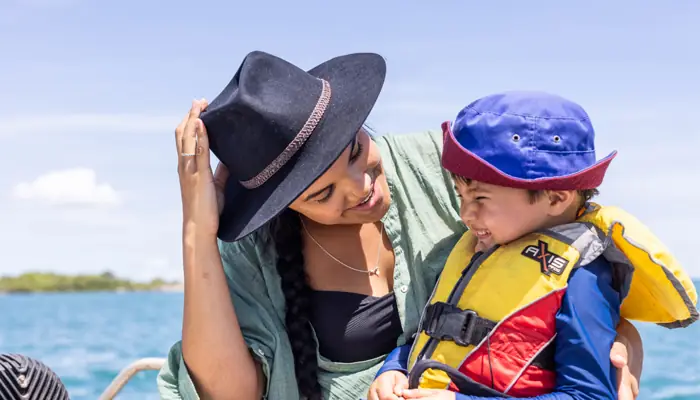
[560, 201]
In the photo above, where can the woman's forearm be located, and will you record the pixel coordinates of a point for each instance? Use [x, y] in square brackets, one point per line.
[216, 355]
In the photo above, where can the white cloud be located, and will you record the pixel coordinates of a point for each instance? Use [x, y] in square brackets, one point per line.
[72, 186]
[87, 123]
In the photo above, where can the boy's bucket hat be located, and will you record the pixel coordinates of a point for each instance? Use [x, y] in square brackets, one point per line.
[527, 140]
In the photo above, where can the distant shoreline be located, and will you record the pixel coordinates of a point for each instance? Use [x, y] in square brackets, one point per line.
[172, 289]
[41, 282]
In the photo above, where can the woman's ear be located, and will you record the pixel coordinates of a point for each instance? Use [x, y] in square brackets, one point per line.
[560, 201]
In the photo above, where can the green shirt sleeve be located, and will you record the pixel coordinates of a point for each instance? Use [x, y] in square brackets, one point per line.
[261, 326]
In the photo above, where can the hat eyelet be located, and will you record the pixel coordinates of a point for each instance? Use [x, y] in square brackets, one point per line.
[556, 139]
[516, 138]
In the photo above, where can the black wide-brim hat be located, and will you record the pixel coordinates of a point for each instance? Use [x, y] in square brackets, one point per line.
[278, 128]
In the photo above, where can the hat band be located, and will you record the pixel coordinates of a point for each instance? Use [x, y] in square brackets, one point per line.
[295, 144]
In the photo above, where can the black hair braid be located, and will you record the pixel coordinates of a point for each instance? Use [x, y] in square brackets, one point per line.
[287, 238]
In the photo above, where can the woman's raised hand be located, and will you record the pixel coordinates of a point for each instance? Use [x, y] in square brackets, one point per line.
[201, 191]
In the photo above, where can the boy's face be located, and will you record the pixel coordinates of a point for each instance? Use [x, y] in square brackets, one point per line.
[498, 215]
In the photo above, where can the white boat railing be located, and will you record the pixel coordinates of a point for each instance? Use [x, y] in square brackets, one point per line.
[144, 364]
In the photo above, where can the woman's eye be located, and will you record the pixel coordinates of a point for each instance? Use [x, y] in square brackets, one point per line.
[328, 195]
[357, 153]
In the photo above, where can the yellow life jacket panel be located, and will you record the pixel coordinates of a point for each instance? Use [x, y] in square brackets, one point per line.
[489, 325]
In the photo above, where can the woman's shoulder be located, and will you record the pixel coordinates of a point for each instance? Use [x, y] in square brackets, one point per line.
[425, 146]
[414, 169]
[413, 155]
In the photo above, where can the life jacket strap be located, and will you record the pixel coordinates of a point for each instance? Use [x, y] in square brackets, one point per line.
[459, 381]
[443, 321]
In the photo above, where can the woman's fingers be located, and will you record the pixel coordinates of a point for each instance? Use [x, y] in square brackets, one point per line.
[179, 132]
[189, 136]
[624, 389]
[197, 107]
[190, 139]
[202, 148]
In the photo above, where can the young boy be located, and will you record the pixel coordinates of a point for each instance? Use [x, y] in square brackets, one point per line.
[529, 299]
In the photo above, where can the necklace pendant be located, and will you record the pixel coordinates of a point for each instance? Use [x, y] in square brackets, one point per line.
[374, 272]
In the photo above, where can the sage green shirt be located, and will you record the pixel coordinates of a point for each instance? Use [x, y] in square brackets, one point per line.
[423, 225]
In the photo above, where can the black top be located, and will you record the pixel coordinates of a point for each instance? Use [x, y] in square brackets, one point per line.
[353, 327]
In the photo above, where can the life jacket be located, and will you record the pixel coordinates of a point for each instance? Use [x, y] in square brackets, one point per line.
[489, 326]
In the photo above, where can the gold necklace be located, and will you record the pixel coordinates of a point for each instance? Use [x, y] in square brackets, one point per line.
[374, 271]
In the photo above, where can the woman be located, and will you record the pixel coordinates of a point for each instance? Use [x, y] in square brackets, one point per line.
[331, 240]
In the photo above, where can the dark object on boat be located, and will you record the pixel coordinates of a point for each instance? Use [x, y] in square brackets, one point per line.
[24, 378]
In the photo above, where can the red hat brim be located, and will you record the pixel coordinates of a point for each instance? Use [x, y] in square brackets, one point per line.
[463, 162]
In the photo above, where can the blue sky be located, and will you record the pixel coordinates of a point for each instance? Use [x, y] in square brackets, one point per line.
[92, 94]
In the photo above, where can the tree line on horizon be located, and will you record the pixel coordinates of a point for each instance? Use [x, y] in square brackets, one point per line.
[52, 282]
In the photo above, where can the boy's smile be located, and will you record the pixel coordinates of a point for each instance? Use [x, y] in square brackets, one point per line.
[484, 238]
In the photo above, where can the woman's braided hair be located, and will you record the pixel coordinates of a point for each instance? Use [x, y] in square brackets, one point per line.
[286, 235]
[285, 232]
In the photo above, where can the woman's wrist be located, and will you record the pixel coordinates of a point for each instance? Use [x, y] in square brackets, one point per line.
[194, 237]
[200, 251]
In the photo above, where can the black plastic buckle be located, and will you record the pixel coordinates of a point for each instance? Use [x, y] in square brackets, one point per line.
[465, 339]
[431, 318]
[448, 322]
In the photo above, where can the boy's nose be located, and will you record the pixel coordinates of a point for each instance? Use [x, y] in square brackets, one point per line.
[468, 213]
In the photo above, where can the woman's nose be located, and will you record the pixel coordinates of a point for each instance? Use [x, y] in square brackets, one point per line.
[361, 184]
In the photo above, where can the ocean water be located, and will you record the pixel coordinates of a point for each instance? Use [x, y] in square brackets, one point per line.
[87, 338]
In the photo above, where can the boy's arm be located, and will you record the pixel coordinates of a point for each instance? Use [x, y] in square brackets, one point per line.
[586, 330]
[397, 360]
[586, 325]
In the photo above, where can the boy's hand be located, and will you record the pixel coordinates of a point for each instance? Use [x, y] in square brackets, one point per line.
[428, 394]
[388, 386]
